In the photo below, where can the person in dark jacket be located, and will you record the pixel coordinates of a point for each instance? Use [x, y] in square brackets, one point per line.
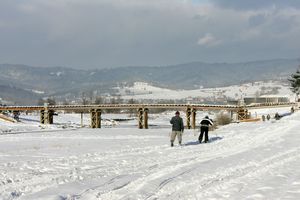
[177, 128]
[277, 116]
[204, 126]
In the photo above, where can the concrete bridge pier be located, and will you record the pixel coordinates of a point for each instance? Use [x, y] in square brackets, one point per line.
[95, 118]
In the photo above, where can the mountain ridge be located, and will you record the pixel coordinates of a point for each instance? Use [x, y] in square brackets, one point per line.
[62, 81]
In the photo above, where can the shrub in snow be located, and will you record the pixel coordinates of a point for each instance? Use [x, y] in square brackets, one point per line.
[223, 119]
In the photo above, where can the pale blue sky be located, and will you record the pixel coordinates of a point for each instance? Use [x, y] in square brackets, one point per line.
[111, 33]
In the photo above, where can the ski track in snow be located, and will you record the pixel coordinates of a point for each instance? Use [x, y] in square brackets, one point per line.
[243, 161]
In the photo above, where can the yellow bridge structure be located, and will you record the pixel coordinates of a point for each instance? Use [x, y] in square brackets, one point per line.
[48, 111]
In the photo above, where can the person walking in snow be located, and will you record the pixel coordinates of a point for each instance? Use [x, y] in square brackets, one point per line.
[292, 110]
[177, 128]
[204, 126]
[277, 116]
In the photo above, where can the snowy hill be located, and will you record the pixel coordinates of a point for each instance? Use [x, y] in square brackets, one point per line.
[242, 161]
[144, 91]
[62, 82]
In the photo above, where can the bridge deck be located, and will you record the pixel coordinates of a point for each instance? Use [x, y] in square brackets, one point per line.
[136, 106]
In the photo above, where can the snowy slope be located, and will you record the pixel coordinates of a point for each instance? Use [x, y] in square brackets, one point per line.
[243, 161]
[146, 91]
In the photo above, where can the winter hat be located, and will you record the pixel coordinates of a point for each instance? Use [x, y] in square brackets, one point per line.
[206, 117]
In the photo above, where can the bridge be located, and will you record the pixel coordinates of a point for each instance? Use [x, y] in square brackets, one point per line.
[48, 111]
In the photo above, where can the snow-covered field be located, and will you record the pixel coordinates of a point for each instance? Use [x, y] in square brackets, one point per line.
[242, 161]
[146, 91]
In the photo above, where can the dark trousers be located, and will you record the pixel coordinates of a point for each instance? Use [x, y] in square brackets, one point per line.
[202, 131]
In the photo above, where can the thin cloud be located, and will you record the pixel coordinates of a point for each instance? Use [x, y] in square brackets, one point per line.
[208, 40]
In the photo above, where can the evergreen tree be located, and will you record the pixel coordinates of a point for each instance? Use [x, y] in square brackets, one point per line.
[295, 82]
[99, 100]
[51, 101]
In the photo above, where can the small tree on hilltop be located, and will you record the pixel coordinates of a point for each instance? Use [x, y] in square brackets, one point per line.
[51, 101]
[99, 100]
[295, 82]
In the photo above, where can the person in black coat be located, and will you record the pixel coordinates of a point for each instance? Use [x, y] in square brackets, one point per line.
[277, 116]
[204, 126]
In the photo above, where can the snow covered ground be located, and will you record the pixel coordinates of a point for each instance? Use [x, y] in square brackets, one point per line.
[146, 91]
[257, 160]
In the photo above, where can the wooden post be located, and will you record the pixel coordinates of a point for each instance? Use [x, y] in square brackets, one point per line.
[242, 114]
[140, 118]
[146, 110]
[95, 118]
[194, 118]
[231, 115]
[50, 116]
[46, 116]
[81, 119]
[46, 113]
[188, 118]
[42, 113]
[16, 115]
[98, 118]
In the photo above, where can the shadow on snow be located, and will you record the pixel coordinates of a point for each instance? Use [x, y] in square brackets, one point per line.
[211, 139]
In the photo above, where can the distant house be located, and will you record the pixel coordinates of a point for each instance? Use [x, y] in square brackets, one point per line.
[267, 99]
